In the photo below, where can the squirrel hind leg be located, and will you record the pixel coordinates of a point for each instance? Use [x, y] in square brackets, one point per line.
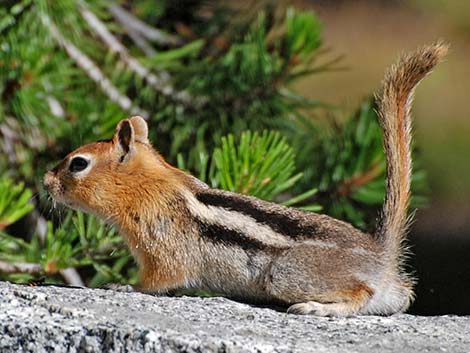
[321, 280]
[339, 304]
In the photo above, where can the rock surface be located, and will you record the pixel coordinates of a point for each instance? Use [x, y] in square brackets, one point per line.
[56, 319]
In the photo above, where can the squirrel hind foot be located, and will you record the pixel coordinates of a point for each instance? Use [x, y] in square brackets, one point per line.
[339, 304]
[319, 309]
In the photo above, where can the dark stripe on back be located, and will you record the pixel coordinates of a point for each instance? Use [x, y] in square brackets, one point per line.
[282, 223]
[223, 235]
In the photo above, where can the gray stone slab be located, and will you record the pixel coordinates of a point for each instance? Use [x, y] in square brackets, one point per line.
[56, 319]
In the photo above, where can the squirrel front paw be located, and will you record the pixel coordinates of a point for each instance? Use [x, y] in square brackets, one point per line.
[117, 287]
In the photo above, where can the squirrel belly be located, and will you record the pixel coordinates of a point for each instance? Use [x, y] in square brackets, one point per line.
[184, 234]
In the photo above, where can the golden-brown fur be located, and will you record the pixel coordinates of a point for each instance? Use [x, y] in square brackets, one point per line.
[394, 102]
[184, 234]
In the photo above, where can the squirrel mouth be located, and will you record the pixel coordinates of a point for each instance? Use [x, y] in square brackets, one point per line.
[56, 194]
[60, 200]
[55, 197]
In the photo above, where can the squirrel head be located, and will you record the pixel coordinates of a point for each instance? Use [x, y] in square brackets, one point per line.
[108, 177]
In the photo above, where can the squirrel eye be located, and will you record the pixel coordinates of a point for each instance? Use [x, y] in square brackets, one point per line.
[78, 164]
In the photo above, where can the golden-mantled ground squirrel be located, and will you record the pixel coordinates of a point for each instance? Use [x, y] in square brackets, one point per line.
[184, 234]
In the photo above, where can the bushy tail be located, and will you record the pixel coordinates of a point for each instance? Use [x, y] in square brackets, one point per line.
[394, 104]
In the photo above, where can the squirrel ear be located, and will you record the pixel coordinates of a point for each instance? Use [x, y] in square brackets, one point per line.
[141, 130]
[124, 138]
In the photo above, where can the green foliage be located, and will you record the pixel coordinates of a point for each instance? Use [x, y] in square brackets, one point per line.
[14, 202]
[257, 164]
[81, 242]
[8, 17]
[303, 32]
[243, 86]
[351, 181]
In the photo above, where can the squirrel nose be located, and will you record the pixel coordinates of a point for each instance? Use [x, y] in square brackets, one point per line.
[48, 179]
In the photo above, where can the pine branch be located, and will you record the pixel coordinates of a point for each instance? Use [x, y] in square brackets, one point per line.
[141, 42]
[55, 107]
[160, 83]
[92, 70]
[7, 143]
[20, 267]
[70, 274]
[358, 180]
[41, 225]
[71, 277]
[134, 24]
